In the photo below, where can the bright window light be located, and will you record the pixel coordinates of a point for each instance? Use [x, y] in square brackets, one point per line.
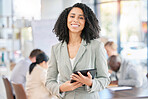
[27, 8]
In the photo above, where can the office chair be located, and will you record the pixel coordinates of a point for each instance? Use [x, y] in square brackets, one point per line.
[19, 91]
[8, 87]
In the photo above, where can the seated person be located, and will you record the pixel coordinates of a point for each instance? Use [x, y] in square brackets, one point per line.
[36, 77]
[111, 48]
[20, 70]
[126, 73]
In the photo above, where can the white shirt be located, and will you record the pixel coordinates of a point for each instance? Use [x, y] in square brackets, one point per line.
[130, 75]
[72, 62]
[19, 72]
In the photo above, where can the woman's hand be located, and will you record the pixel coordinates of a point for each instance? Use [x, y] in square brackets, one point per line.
[87, 80]
[67, 86]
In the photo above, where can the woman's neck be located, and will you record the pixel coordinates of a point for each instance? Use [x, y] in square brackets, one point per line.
[42, 65]
[74, 39]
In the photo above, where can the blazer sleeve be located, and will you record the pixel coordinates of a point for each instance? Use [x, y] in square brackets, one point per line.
[52, 73]
[102, 77]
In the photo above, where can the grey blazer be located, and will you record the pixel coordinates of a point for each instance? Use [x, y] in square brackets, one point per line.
[89, 56]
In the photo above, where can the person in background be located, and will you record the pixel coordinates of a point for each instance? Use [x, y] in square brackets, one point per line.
[126, 73]
[35, 79]
[104, 39]
[77, 28]
[18, 74]
[111, 48]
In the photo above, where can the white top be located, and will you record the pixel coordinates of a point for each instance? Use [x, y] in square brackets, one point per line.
[130, 75]
[72, 61]
[20, 70]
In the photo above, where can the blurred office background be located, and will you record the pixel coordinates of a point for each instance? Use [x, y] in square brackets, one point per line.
[122, 21]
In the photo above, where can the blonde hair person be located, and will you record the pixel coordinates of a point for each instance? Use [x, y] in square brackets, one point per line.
[111, 48]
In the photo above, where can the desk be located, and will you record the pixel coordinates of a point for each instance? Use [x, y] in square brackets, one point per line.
[134, 93]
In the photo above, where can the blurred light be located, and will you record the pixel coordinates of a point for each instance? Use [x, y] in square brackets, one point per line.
[144, 27]
[27, 8]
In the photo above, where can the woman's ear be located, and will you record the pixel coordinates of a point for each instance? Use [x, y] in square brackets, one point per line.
[44, 62]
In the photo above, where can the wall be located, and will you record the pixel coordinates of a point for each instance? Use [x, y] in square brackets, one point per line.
[50, 9]
[0, 7]
[6, 7]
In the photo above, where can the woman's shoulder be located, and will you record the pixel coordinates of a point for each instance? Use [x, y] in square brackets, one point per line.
[38, 70]
[57, 45]
[96, 43]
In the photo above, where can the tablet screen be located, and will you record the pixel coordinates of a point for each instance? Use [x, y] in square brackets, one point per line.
[84, 72]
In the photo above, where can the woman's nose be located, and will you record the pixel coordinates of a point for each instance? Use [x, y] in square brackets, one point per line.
[75, 19]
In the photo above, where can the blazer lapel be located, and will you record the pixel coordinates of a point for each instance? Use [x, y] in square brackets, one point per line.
[66, 57]
[81, 51]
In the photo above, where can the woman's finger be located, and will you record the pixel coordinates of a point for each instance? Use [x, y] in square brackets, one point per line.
[80, 74]
[89, 75]
[75, 75]
[75, 78]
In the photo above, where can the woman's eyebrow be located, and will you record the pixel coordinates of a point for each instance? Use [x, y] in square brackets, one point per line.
[75, 14]
[72, 13]
[81, 15]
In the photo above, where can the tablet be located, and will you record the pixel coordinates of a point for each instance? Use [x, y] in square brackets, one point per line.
[84, 72]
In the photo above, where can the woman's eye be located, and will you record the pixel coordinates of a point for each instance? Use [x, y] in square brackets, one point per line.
[72, 16]
[81, 18]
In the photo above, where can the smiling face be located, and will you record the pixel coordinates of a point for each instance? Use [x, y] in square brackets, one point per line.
[75, 20]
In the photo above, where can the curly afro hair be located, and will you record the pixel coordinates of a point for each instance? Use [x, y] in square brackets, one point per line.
[91, 29]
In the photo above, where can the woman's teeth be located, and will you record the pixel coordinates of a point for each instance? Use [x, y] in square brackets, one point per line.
[75, 25]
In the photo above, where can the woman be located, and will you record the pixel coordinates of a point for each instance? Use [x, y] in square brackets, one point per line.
[35, 84]
[76, 28]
